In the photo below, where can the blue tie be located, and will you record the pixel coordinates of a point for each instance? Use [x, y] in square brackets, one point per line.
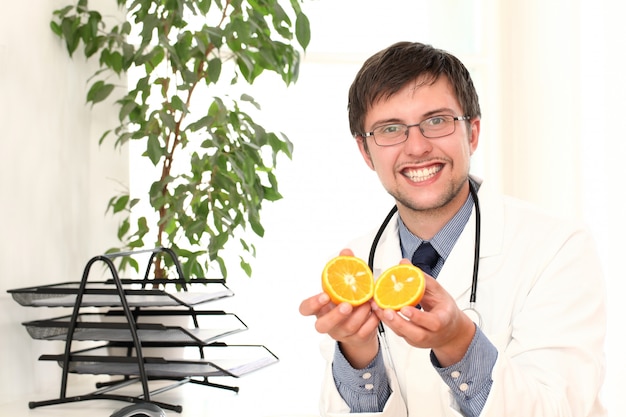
[425, 258]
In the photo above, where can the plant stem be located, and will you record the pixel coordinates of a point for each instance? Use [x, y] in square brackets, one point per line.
[159, 270]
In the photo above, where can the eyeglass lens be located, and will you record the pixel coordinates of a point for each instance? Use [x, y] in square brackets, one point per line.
[434, 127]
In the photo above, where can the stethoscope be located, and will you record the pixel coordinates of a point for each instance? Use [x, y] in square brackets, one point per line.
[471, 311]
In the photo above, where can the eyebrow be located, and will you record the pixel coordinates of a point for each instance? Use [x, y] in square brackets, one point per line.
[427, 115]
[441, 110]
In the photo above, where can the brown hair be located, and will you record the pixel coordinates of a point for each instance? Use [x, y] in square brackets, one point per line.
[388, 71]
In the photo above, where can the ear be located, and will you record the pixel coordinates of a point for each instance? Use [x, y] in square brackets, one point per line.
[365, 152]
[473, 134]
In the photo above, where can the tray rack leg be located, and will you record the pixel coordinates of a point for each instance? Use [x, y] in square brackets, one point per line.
[205, 382]
[126, 398]
[143, 378]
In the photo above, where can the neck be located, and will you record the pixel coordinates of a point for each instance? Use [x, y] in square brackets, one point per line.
[426, 223]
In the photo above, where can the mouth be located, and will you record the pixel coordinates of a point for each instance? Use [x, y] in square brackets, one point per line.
[422, 174]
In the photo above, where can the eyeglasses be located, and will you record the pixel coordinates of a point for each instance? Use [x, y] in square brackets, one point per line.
[433, 127]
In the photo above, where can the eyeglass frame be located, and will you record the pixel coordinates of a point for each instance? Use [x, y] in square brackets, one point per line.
[406, 131]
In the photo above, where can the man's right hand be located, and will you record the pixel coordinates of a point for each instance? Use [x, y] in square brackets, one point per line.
[355, 328]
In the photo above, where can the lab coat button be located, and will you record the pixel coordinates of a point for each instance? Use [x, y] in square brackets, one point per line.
[464, 387]
[367, 375]
[369, 387]
[455, 374]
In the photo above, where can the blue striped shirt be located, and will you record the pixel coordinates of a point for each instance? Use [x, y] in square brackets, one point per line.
[443, 241]
[367, 390]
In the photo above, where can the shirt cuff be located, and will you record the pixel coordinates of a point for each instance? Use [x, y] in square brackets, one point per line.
[364, 390]
[470, 378]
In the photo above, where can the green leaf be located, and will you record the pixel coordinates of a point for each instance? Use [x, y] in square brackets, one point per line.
[61, 13]
[271, 194]
[154, 150]
[256, 226]
[250, 99]
[123, 229]
[245, 266]
[127, 107]
[153, 59]
[133, 263]
[113, 60]
[56, 28]
[222, 266]
[99, 91]
[70, 27]
[178, 104]
[104, 135]
[303, 30]
[142, 226]
[214, 70]
[121, 203]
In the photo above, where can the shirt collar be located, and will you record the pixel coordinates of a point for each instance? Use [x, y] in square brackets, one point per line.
[444, 240]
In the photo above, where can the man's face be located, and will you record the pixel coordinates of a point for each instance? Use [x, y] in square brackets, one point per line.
[422, 173]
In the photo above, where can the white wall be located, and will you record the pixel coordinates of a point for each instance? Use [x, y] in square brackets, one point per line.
[55, 181]
[603, 148]
[562, 139]
[540, 59]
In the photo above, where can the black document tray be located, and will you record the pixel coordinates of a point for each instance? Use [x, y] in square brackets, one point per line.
[105, 294]
[112, 326]
[139, 316]
[226, 360]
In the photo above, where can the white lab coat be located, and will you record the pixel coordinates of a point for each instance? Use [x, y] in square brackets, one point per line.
[542, 298]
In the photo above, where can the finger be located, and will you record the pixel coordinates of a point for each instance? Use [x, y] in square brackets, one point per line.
[434, 293]
[410, 326]
[361, 321]
[346, 252]
[393, 320]
[333, 318]
[312, 305]
[363, 332]
[408, 318]
[371, 325]
[425, 320]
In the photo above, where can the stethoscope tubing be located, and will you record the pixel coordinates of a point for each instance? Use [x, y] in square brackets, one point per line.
[476, 245]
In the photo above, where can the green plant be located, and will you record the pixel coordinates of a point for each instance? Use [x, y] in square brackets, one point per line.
[216, 165]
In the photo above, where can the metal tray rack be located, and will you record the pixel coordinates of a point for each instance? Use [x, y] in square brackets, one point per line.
[129, 303]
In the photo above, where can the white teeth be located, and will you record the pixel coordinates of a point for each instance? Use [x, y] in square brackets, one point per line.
[418, 175]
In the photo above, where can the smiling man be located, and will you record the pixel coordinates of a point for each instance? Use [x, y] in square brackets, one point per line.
[533, 344]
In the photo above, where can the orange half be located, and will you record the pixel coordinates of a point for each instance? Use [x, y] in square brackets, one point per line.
[348, 279]
[399, 286]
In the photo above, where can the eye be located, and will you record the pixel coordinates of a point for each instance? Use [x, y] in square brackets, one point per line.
[437, 121]
[390, 129]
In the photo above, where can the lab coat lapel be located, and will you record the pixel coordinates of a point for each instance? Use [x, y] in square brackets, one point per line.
[456, 274]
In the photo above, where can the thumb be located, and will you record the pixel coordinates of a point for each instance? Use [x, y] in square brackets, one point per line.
[346, 252]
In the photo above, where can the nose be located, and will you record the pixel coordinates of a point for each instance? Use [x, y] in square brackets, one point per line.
[416, 142]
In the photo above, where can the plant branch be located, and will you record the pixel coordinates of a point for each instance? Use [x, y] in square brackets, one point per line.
[223, 186]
